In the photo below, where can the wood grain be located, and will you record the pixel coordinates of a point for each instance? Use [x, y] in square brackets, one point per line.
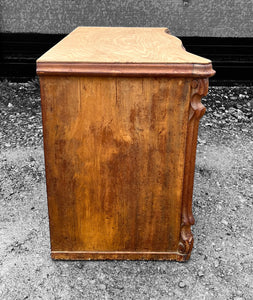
[115, 158]
[121, 108]
[120, 45]
[199, 89]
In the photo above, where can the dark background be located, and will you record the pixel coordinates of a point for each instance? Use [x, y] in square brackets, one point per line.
[219, 30]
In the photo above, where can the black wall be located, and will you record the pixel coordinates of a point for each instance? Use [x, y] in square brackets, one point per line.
[232, 57]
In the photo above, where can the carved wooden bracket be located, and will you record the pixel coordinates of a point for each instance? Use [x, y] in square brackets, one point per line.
[199, 89]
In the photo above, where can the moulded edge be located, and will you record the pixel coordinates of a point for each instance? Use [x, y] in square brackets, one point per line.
[125, 69]
[118, 255]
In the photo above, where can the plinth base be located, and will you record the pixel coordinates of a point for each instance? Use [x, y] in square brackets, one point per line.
[118, 255]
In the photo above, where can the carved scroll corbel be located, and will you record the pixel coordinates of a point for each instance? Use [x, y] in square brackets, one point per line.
[199, 89]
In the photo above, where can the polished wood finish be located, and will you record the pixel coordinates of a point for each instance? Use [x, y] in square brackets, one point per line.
[123, 70]
[199, 89]
[120, 156]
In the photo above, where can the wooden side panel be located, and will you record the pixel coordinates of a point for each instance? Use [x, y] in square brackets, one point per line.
[114, 152]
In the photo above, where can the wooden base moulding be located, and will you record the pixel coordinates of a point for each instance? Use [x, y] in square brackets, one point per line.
[117, 255]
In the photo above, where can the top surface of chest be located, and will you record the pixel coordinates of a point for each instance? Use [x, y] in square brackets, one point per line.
[120, 45]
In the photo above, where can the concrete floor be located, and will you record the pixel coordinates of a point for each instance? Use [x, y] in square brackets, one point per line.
[221, 265]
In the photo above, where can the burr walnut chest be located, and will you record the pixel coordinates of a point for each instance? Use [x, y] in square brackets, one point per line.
[120, 109]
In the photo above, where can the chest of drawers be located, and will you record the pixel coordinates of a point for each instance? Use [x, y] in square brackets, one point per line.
[121, 108]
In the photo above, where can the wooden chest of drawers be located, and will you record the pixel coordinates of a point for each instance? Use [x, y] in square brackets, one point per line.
[121, 108]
